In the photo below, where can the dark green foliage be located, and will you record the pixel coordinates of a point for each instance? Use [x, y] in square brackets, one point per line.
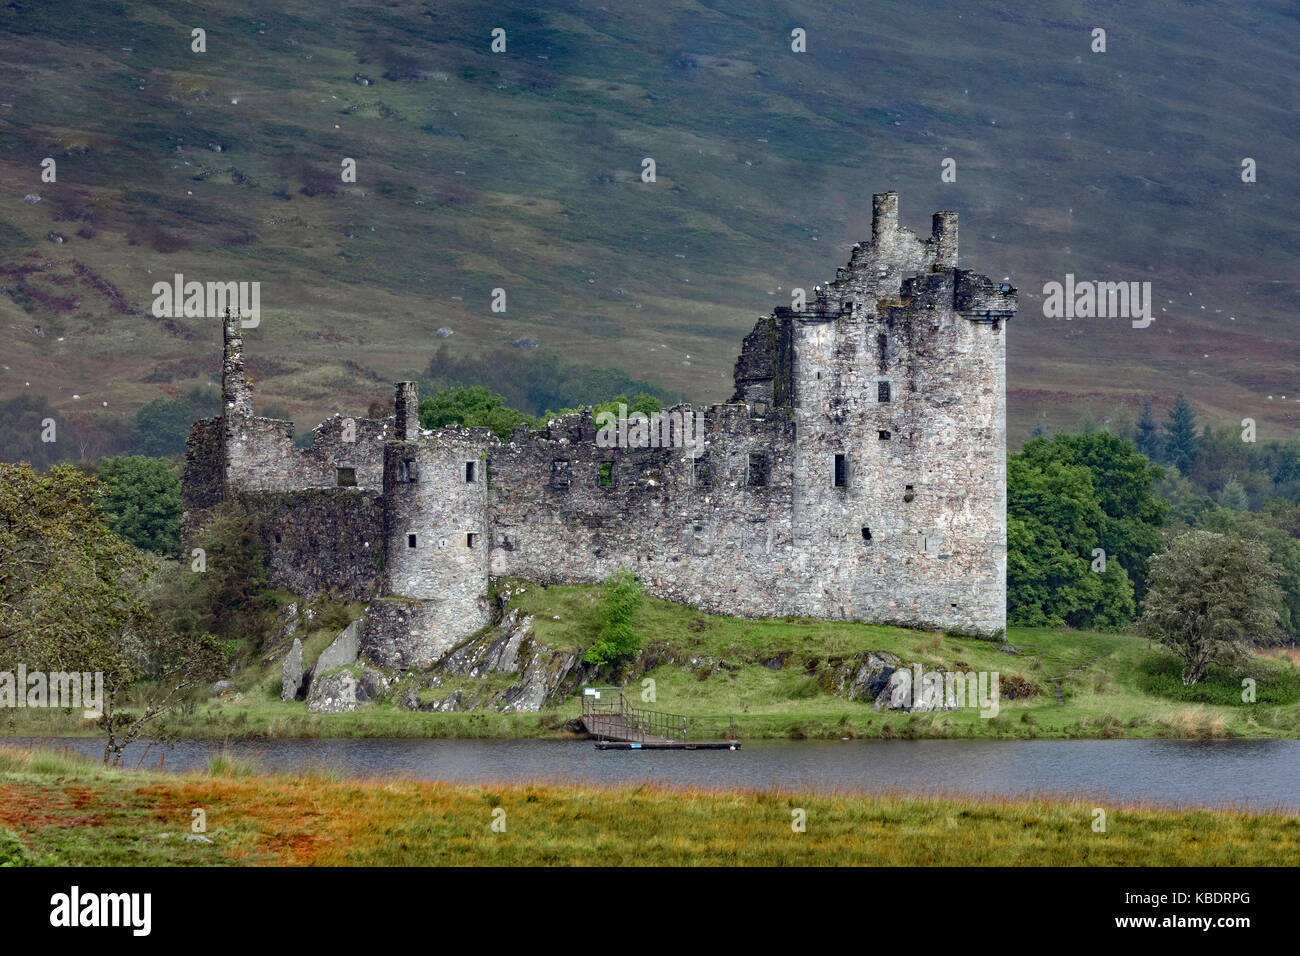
[1065, 498]
[1180, 441]
[228, 597]
[536, 381]
[22, 424]
[1129, 529]
[142, 501]
[1147, 434]
[618, 610]
[475, 406]
[161, 427]
[1161, 675]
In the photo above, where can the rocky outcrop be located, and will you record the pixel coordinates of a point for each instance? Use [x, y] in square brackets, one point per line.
[291, 675]
[510, 647]
[343, 650]
[333, 694]
[374, 685]
[867, 678]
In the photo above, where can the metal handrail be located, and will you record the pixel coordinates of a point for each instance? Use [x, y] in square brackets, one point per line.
[606, 717]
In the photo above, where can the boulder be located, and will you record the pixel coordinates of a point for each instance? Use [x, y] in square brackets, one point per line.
[374, 685]
[222, 687]
[866, 677]
[291, 673]
[333, 694]
[343, 650]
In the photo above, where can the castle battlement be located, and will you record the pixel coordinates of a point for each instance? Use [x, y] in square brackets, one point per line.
[858, 472]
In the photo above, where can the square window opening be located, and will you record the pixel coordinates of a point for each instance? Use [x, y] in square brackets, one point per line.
[866, 534]
[758, 468]
[346, 477]
[882, 392]
[884, 435]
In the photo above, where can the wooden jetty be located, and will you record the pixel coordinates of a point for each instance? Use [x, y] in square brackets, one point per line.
[616, 725]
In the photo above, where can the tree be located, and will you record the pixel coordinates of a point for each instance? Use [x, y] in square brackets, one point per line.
[1233, 497]
[1210, 597]
[1180, 440]
[70, 600]
[26, 433]
[1147, 434]
[1122, 480]
[475, 406]
[142, 501]
[618, 610]
[161, 427]
[1053, 522]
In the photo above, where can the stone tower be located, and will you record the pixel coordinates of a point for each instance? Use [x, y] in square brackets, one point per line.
[895, 376]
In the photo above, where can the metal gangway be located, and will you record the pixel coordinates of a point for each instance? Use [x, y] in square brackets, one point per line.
[617, 725]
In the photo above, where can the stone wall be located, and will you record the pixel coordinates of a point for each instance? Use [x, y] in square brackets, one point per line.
[709, 532]
[322, 540]
[261, 456]
[202, 478]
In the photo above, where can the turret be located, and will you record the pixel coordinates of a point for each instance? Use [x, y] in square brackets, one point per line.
[236, 391]
[406, 404]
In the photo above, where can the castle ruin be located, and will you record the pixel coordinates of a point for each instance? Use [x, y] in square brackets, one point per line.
[857, 473]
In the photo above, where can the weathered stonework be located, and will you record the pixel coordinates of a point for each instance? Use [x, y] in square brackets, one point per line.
[858, 473]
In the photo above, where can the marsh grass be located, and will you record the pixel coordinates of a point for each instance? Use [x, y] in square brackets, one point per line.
[71, 811]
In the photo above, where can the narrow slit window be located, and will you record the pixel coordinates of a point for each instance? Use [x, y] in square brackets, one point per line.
[757, 469]
[841, 472]
[605, 477]
[866, 534]
[469, 539]
[469, 471]
[882, 391]
[410, 541]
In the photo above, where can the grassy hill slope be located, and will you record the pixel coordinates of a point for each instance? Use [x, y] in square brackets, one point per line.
[521, 170]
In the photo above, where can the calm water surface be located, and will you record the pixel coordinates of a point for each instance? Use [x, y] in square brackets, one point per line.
[1259, 774]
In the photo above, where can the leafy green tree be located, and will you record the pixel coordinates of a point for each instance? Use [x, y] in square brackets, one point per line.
[142, 501]
[618, 610]
[70, 600]
[1233, 497]
[67, 583]
[1180, 440]
[1147, 433]
[161, 427]
[1122, 479]
[24, 429]
[475, 406]
[1053, 517]
[1211, 597]
[1283, 550]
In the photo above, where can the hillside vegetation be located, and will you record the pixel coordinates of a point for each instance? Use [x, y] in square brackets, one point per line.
[521, 171]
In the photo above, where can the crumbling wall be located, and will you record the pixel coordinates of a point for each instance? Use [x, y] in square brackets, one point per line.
[712, 532]
[261, 456]
[322, 540]
[201, 479]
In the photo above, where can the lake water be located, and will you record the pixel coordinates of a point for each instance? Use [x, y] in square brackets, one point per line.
[1260, 774]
